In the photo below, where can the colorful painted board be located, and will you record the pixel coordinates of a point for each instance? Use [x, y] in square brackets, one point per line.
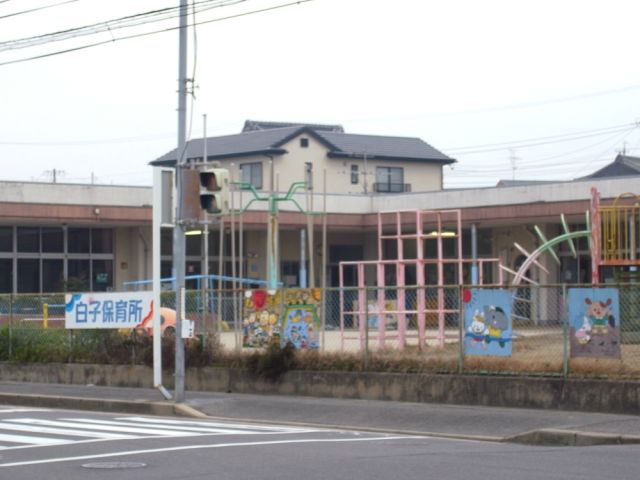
[487, 322]
[301, 319]
[594, 320]
[261, 324]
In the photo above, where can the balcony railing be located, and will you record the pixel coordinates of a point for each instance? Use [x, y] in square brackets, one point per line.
[391, 187]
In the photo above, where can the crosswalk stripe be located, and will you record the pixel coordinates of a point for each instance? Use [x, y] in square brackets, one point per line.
[184, 427]
[6, 425]
[235, 426]
[31, 440]
[113, 428]
[22, 410]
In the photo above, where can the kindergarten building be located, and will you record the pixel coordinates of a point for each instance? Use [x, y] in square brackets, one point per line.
[56, 237]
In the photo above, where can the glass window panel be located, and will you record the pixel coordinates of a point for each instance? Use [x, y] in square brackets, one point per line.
[52, 240]
[193, 247]
[52, 275]
[6, 275]
[78, 276]
[78, 240]
[166, 242]
[192, 268]
[252, 173]
[102, 275]
[166, 271]
[102, 240]
[214, 242]
[28, 275]
[29, 239]
[6, 239]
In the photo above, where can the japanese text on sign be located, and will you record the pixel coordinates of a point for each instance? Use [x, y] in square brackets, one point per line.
[108, 310]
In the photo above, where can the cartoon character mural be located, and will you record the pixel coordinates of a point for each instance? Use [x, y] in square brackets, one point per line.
[301, 320]
[289, 315]
[594, 322]
[260, 321]
[487, 317]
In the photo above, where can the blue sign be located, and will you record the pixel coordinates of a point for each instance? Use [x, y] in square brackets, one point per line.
[487, 322]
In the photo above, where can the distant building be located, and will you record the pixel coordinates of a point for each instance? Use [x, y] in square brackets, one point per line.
[272, 155]
[622, 166]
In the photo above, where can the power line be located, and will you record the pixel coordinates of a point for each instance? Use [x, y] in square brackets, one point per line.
[84, 47]
[128, 21]
[519, 144]
[511, 142]
[37, 9]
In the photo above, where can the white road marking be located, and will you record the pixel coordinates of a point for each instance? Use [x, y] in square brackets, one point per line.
[22, 410]
[200, 447]
[187, 430]
[108, 428]
[6, 425]
[268, 429]
[32, 440]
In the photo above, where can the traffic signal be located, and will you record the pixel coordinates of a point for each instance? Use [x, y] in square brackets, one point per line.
[214, 190]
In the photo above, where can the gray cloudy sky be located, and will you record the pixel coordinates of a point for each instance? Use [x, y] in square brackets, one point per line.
[548, 87]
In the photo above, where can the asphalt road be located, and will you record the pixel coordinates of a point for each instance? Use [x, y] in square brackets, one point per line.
[68, 445]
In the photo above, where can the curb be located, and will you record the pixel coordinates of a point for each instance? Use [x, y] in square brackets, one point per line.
[96, 404]
[541, 437]
[571, 438]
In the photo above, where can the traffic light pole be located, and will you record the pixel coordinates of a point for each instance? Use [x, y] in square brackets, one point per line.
[179, 229]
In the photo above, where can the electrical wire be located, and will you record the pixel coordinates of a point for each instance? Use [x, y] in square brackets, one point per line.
[129, 37]
[540, 141]
[129, 21]
[37, 9]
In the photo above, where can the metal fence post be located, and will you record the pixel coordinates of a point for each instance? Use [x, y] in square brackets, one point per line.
[565, 333]
[365, 360]
[460, 331]
[10, 326]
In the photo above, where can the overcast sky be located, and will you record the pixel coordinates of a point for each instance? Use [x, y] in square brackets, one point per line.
[511, 89]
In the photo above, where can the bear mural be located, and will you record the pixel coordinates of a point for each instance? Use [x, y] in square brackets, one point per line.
[594, 318]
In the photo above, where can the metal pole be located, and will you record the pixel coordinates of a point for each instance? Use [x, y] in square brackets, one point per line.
[178, 232]
[220, 273]
[474, 255]
[234, 283]
[323, 313]
[303, 259]
[565, 333]
[205, 237]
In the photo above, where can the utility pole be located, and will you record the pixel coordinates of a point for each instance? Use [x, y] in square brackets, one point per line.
[179, 229]
[513, 159]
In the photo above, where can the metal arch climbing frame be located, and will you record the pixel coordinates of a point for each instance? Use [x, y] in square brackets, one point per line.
[548, 246]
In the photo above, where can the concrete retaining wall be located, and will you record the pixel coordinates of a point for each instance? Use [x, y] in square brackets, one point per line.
[554, 393]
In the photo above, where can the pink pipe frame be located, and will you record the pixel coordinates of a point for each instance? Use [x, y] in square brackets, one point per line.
[399, 264]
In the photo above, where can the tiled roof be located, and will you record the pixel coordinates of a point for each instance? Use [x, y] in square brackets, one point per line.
[339, 144]
[622, 166]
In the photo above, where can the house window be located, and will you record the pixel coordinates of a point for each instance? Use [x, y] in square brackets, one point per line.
[252, 173]
[304, 142]
[389, 179]
[354, 174]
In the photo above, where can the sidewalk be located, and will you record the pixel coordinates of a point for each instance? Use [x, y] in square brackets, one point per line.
[541, 427]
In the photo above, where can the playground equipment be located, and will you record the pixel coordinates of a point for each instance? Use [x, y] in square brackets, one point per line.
[411, 232]
[613, 232]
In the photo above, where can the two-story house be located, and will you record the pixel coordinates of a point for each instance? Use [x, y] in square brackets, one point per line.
[272, 156]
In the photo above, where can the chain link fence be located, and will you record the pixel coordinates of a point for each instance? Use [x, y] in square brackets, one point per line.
[551, 330]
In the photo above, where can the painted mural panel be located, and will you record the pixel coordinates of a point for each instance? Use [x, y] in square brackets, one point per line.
[301, 320]
[289, 315]
[594, 319]
[261, 324]
[487, 322]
